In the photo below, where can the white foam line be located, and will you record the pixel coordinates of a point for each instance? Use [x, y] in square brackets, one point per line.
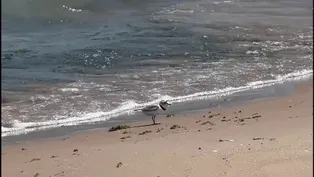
[252, 85]
[128, 107]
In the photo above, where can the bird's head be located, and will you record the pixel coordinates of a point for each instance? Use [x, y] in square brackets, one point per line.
[164, 103]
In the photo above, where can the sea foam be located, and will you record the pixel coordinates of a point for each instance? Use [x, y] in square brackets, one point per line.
[127, 107]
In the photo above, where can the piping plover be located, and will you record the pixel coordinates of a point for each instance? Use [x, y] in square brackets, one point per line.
[154, 110]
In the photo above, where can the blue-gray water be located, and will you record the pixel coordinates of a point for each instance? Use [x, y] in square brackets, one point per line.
[80, 61]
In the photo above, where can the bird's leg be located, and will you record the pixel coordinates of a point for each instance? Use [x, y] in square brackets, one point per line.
[153, 117]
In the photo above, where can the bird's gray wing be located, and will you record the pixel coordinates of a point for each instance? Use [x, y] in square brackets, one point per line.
[150, 108]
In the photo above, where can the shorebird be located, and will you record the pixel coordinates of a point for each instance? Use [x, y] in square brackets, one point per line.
[154, 110]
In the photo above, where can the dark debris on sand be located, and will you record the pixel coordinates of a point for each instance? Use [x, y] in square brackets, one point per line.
[239, 120]
[207, 122]
[255, 117]
[119, 164]
[125, 137]
[175, 126]
[119, 127]
[60, 173]
[126, 132]
[159, 129]
[35, 159]
[170, 115]
[211, 116]
[145, 132]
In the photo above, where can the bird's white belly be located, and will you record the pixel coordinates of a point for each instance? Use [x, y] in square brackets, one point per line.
[154, 113]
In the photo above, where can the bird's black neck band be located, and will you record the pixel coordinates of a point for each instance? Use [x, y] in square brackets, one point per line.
[163, 108]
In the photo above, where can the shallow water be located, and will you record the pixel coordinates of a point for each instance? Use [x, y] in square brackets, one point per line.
[74, 62]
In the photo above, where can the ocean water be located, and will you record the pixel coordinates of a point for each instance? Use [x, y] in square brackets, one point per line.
[74, 62]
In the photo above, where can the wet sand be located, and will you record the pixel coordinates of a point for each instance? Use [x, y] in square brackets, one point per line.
[269, 137]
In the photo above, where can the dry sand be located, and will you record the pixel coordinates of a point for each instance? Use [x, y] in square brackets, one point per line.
[270, 137]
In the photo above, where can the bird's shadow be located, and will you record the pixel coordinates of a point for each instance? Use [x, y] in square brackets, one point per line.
[146, 125]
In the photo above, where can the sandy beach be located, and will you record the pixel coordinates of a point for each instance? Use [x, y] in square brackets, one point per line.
[269, 137]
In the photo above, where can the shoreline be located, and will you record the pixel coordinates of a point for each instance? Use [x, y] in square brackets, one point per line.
[189, 107]
[268, 137]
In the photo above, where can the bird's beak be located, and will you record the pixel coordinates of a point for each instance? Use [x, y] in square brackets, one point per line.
[168, 103]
